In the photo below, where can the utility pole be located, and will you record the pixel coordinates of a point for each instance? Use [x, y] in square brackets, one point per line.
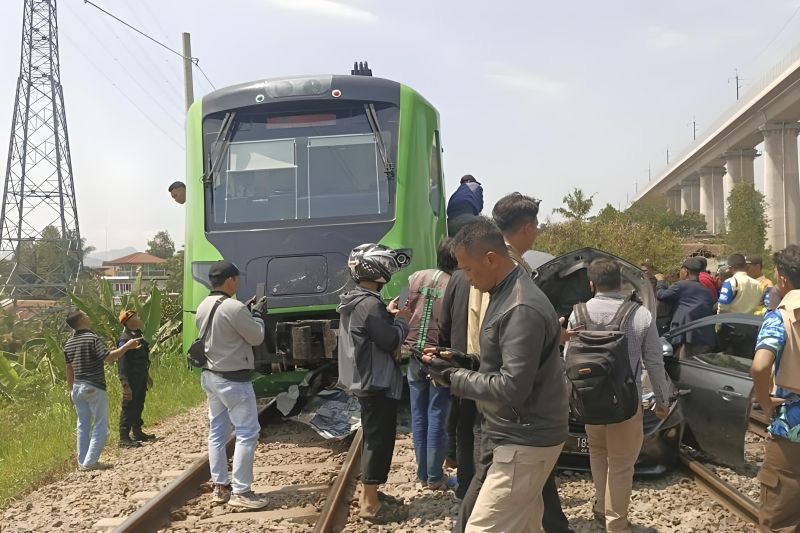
[668, 155]
[188, 83]
[693, 124]
[649, 174]
[738, 82]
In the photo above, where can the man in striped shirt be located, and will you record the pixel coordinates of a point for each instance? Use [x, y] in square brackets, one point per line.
[85, 354]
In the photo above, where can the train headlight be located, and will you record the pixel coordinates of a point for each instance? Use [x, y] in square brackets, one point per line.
[298, 87]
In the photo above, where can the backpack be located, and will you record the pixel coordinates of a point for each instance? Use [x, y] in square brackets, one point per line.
[603, 388]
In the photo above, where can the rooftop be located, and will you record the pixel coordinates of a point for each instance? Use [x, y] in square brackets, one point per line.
[137, 258]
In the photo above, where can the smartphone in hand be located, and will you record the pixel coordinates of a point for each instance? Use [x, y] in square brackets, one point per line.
[402, 300]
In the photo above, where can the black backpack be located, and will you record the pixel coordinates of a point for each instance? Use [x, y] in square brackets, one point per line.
[598, 368]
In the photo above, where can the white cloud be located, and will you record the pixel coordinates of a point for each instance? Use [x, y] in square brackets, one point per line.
[661, 38]
[326, 8]
[527, 81]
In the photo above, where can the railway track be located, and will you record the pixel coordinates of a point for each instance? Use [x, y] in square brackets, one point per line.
[721, 490]
[305, 478]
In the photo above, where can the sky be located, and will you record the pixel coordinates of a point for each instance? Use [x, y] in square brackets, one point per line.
[539, 97]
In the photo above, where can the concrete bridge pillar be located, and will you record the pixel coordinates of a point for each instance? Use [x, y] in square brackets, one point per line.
[690, 195]
[740, 165]
[712, 204]
[781, 183]
[674, 200]
[686, 197]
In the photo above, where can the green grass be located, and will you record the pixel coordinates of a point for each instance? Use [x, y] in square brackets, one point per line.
[37, 429]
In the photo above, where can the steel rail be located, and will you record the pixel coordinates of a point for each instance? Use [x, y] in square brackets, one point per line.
[156, 512]
[336, 501]
[722, 491]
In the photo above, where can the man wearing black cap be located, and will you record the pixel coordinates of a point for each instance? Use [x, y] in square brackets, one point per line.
[690, 300]
[229, 330]
[464, 205]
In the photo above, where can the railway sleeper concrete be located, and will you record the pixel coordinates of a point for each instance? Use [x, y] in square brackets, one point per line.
[306, 513]
[110, 523]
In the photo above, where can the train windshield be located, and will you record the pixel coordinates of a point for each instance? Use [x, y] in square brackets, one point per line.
[296, 163]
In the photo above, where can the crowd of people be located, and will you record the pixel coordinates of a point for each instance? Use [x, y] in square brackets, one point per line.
[493, 372]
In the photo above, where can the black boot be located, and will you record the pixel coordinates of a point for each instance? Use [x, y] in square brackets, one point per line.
[125, 440]
[141, 436]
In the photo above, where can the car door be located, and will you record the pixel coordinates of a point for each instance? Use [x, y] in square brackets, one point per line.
[717, 407]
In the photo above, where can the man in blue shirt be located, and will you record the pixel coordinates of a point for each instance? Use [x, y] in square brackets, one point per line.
[778, 347]
[464, 205]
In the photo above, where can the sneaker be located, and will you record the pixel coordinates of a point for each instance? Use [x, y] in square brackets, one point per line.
[247, 500]
[96, 466]
[141, 436]
[128, 443]
[446, 483]
[222, 493]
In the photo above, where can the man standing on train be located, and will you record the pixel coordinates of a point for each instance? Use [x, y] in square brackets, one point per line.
[465, 204]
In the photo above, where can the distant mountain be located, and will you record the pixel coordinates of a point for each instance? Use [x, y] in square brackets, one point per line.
[95, 259]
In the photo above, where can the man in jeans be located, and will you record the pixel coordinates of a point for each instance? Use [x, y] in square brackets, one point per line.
[85, 354]
[233, 331]
[778, 351]
[519, 389]
[614, 448]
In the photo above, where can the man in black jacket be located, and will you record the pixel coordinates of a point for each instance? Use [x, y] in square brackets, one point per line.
[133, 374]
[519, 389]
[370, 337]
[453, 334]
[690, 300]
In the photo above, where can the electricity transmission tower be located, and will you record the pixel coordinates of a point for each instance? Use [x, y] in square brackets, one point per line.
[40, 244]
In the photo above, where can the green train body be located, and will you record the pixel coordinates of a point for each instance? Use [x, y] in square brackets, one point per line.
[299, 178]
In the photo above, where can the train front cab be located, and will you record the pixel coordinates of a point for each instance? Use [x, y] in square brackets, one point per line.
[281, 202]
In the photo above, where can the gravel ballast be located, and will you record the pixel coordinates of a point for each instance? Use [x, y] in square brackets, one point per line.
[672, 503]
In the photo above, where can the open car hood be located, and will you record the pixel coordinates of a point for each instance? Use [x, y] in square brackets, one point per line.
[565, 280]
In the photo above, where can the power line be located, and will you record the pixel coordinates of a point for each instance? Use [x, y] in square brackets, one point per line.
[140, 32]
[195, 61]
[775, 37]
[170, 114]
[123, 93]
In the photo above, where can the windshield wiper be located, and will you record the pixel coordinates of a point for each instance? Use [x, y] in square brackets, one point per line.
[220, 146]
[372, 118]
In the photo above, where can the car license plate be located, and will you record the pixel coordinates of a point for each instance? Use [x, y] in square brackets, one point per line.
[582, 444]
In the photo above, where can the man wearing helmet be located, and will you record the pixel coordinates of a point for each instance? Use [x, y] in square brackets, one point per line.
[370, 334]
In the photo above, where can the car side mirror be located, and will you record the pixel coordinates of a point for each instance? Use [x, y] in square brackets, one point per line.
[666, 348]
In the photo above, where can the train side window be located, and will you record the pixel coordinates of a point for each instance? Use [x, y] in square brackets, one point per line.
[435, 185]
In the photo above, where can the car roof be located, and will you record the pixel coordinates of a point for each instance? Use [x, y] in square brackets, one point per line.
[726, 318]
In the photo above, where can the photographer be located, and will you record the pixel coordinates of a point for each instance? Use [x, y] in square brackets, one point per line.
[233, 331]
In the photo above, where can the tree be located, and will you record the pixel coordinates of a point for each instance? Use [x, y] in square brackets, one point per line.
[632, 241]
[654, 212]
[161, 245]
[577, 205]
[747, 220]
[174, 268]
[607, 214]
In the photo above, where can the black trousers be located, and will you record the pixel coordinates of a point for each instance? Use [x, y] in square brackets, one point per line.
[379, 424]
[461, 432]
[132, 409]
[553, 520]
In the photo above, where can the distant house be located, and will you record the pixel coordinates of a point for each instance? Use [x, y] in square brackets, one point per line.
[122, 272]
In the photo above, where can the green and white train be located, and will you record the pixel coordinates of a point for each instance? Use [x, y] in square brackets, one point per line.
[285, 176]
